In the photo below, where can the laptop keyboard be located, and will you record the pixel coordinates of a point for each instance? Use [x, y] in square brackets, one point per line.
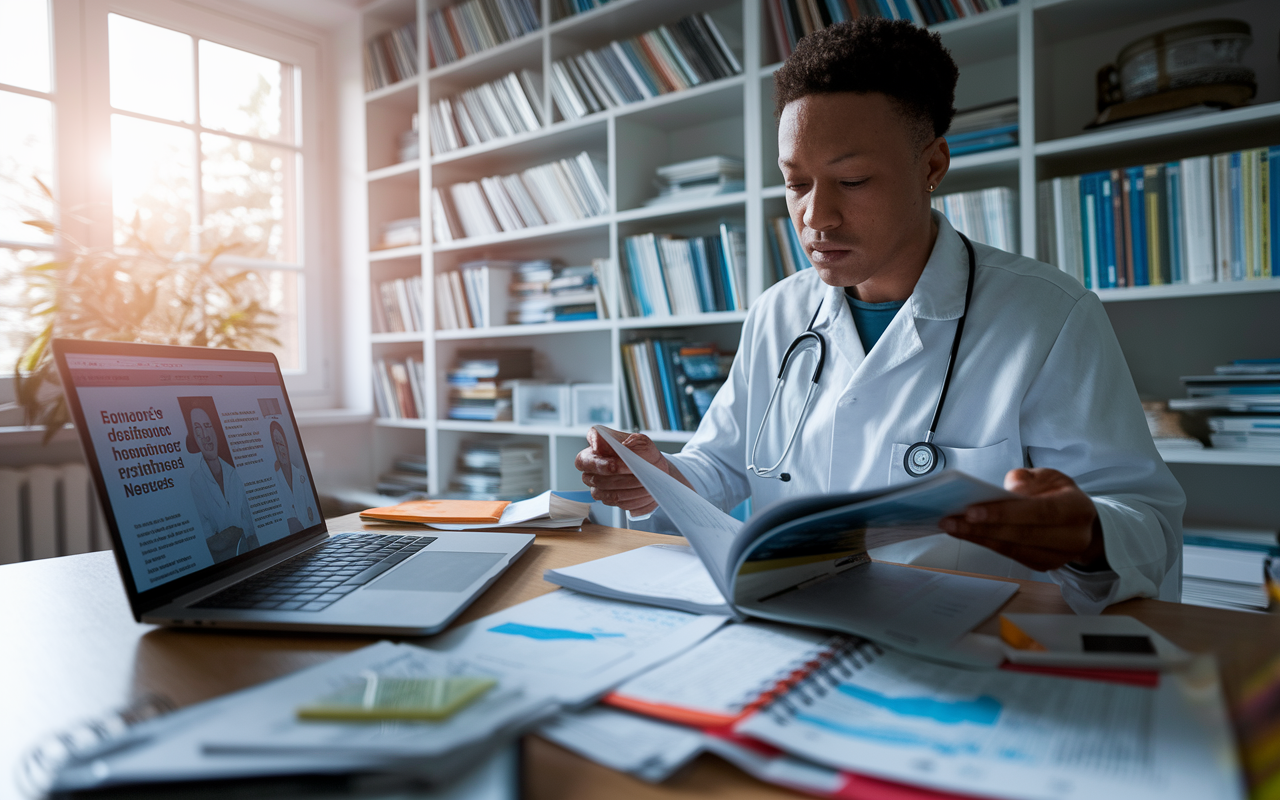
[314, 580]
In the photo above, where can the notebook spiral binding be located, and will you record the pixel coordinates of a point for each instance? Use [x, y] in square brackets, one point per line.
[847, 657]
[90, 738]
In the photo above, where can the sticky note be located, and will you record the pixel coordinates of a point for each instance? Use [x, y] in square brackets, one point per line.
[373, 698]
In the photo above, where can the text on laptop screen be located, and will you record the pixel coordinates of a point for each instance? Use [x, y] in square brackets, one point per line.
[200, 459]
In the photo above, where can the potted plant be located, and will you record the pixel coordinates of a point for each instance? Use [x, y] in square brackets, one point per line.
[135, 292]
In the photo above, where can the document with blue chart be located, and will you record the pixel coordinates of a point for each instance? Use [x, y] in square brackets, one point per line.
[1010, 735]
[804, 561]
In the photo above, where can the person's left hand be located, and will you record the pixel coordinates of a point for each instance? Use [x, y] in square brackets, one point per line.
[1054, 524]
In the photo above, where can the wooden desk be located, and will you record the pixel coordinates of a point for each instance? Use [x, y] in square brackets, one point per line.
[71, 650]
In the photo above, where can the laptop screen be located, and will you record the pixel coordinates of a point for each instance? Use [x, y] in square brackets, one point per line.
[199, 457]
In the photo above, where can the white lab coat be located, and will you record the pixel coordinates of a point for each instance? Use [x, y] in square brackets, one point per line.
[296, 497]
[217, 508]
[1039, 381]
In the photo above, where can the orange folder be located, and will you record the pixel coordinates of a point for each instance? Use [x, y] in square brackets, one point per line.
[460, 512]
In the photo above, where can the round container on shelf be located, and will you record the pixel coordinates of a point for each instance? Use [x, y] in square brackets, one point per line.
[1198, 54]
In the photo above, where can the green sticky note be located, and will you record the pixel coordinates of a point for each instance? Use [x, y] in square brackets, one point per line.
[373, 698]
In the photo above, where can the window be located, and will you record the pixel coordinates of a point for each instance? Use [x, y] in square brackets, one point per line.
[26, 155]
[191, 129]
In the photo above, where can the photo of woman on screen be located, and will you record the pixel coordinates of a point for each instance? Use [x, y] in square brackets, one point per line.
[291, 482]
[216, 487]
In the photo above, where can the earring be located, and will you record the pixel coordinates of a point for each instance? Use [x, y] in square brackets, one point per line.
[931, 187]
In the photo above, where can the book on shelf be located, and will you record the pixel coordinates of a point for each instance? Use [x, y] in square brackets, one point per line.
[568, 8]
[785, 248]
[505, 107]
[987, 127]
[670, 382]
[401, 233]
[670, 58]
[495, 467]
[474, 295]
[391, 57]
[1250, 390]
[399, 388]
[1197, 220]
[480, 383]
[471, 27]
[986, 215]
[407, 476]
[567, 190]
[791, 20]
[544, 292]
[397, 306]
[667, 275]
[1226, 567]
[698, 179]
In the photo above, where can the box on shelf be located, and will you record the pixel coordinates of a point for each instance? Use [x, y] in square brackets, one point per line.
[540, 403]
[593, 404]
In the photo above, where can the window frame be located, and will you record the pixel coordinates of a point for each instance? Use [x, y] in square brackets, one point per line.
[80, 93]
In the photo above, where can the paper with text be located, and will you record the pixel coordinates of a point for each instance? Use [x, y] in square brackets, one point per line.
[670, 575]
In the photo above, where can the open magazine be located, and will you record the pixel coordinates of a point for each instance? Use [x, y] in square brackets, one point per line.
[804, 561]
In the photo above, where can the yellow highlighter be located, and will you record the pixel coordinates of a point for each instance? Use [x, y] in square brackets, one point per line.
[374, 698]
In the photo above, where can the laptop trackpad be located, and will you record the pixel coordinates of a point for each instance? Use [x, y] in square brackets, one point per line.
[437, 571]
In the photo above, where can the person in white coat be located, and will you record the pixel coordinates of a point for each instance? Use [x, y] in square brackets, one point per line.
[1040, 398]
[216, 488]
[292, 486]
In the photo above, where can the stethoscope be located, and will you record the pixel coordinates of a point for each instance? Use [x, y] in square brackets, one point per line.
[921, 458]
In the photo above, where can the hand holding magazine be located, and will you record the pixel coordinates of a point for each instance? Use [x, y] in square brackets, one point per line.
[804, 561]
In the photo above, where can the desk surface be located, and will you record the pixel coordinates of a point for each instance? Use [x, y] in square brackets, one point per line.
[69, 650]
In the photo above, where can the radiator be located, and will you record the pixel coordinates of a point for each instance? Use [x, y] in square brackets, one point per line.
[48, 511]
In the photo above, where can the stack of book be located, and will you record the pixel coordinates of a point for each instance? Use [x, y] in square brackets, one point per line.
[1198, 220]
[784, 244]
[474, 296]
[698, 179]
[1227, 568]
[1249, 390]
[670, 58]
[391, 57]
[494, 469]
[399, 388]
[476, 25]
[479, 388]
[672, 276]
[401, 233]
[986, 127]
[494, 110]
[397, 306]
[670, 383]
[793, 19]
[985, 216]
[542, 292]
[563, 191]
[407, 476]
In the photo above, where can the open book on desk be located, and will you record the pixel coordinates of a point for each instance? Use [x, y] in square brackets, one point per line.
[804, 561]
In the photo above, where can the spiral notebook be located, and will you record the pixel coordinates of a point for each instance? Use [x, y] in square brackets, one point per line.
[730, 674]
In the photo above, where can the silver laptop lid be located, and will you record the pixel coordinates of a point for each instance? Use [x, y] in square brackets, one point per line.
[196, 457]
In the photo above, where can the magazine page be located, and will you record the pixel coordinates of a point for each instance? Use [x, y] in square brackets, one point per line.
[795, 542]
[200, 459]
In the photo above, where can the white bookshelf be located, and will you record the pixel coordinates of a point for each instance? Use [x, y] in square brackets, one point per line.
[1045, 52]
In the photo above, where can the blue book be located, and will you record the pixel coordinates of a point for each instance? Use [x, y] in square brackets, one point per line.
[1135, 182]
[1173, 208]
[837, 11]
[1107, 231]
[633, 277]
[662, 357]
[1089, 230]
[702, 273]
[985, 133]
[774, 251]
[1237, 220]
[797, 250]
[638, 62]
[1274, 206]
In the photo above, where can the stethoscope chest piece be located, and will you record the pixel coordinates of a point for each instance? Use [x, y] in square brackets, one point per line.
[923, 458]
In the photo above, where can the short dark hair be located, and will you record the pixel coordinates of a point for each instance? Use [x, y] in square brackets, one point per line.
[873, 54]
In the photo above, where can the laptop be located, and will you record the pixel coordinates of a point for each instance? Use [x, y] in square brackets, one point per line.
[214, 516]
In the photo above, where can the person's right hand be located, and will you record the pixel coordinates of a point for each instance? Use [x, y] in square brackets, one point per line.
[611, 481]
